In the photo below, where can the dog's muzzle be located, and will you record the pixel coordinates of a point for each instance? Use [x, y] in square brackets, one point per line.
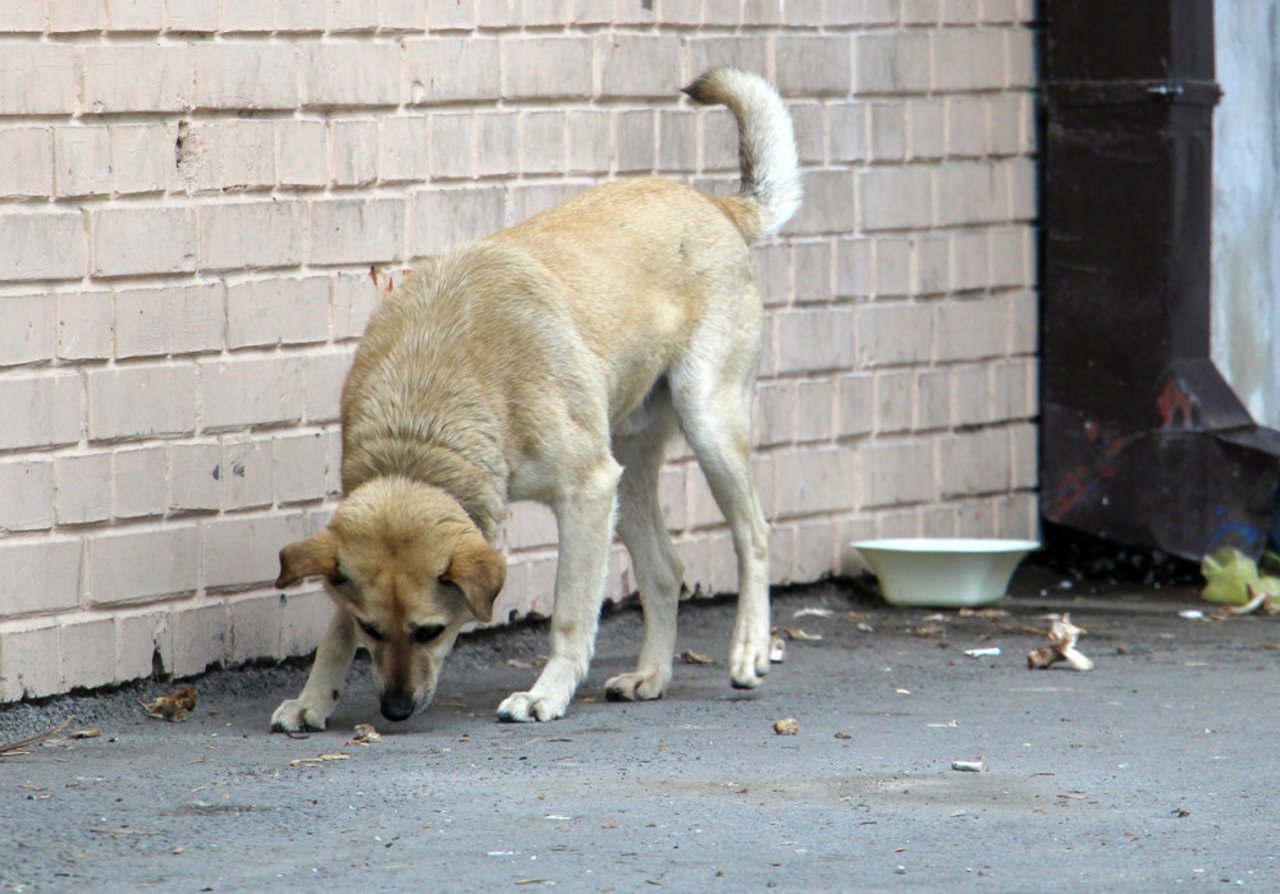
[397, 706]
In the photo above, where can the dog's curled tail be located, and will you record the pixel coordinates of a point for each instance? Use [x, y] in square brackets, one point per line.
[770, 191]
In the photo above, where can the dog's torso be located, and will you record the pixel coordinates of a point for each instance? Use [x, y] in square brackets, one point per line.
[522, 353]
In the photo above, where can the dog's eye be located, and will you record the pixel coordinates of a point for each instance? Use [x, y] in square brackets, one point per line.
[374, 633]
[424, 635]
[339, 579]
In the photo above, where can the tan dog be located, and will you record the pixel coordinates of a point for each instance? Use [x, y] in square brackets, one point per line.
[551, 362]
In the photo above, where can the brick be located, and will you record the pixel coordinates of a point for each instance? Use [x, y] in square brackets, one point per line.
[453, 69]
[1020, 49]
[968, 59]
[541, 142]
[244, 550]
[638, 65]
[142, 157]
[773, 272]
[20, 18]
[739, 51]
[926, 129]
[27, 485]
[38, 79]
[894, 402]
[140, 637]
[719, 140]
[80, 486]
[246, 473]
[888, 131]
[450, 15]
[249, 235]
[966, 126]
[345, 231]
[854, 270]
[445, 216]
[255, 75]
[137, 564]
[402, 149]
[43, 244]
[192, 16]
[201, 639]
[816, 417]
[1010, 256]
[275, 311]
[300, 15]
[546, 67]
[246, 16]
[933, 264]
[41, 411]
[303, 619]
[26, 328]
[894, 333]
[353, 151]
[139, 480]
[1023, 310]
[812, 273]
[141, 239]
[326, 373]
[254, 627]
[816, 481]
[921, 12]
[896, 198]
[677, 140]
[960, 12]
[175, 319]
[971, 402]
[775, 414]
[251, 391]
[82, 160]
[1014, 389]
[195, 470]
[933, 399]
[132, 401]
[828, 204]
[893, 256]
[135, 15]
[352, 74]
[26, 162]
[973, 192]
[86, 653]
[402, 15]
[451, 145]
[807, 119]
[302, 153]
[814, 340]
[855, 407]
[497, 143]
[40, 575]
[895, 472]
[530, 526]
[975, 463]
[526, 201]
[1024, 456]
[29, 661]
[299, 467]
[635, 140]
[1023, 195]
[127, 78]
[70, 16]
[971, 329]
[353, 300]
[893, 63]
[589, 141]
[813, 65]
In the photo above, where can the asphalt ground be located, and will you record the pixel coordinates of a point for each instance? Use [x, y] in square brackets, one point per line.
[1155, 771]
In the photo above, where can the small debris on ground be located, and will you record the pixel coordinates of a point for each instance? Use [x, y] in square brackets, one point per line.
[969, 766]
[983, 613]
[85, 734]
[812, 612]
[691, 657]
[859, 621]
[175, 708]
[1234, 579]
[788, 726]
[1063, 636]
[843, 736]
[1191, 614]
[928, 631]
[21, 746]
[777, 648]
[799, 633]
[987, 652]
[365, 734]
[317, 761]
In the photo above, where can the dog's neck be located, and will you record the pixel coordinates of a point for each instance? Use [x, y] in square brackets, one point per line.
[479, 491]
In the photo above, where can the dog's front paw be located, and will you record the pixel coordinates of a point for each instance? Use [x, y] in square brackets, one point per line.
[525, 707]
[638, 686]
[296, 716]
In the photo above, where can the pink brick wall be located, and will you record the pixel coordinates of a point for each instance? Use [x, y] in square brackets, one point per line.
[201, 202]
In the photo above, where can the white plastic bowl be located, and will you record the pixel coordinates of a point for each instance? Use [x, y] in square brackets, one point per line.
[944, 572]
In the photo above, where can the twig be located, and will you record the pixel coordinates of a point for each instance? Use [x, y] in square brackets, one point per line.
[15, 747]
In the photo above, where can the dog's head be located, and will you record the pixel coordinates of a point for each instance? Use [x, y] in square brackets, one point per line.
[410, 567]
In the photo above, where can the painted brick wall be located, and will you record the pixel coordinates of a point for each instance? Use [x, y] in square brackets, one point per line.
[201, 202]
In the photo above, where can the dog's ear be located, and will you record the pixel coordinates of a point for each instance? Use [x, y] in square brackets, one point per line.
[307, 558]
[479, 571]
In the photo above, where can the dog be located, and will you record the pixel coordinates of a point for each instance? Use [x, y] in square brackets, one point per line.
[552, 361]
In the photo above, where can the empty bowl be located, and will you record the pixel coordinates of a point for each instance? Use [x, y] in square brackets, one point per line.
[944, 572]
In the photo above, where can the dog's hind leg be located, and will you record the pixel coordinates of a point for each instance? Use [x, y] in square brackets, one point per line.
[584, 517]
[716, 419]
[659, 571]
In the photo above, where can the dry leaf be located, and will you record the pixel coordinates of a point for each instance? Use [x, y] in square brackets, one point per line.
[928, 631]
[777, 649]
[800, 634]
[86, 734]
[691, 657]
[812, 612]
[983, 613]
[175, 708]
[365, 735]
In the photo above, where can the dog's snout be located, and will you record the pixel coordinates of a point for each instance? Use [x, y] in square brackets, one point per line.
[397, 706]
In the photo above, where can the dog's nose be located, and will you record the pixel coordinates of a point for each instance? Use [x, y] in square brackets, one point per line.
[396, 706]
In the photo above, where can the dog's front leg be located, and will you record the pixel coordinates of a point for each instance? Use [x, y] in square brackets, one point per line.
[585, 522]
[311, 709]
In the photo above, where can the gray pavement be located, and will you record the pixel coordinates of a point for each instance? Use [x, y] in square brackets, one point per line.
[1154, 772]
